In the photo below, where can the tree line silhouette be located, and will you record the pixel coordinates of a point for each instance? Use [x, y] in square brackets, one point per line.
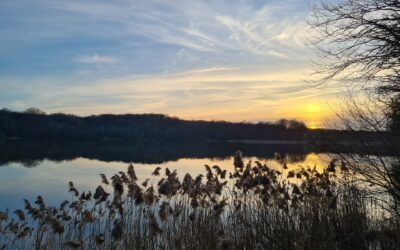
[34, 123]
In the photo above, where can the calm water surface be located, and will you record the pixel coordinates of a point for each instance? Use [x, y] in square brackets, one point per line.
[30, 170]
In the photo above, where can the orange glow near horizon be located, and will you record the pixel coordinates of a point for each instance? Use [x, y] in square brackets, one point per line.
[214, 94]
[312, 114]
[313, 126]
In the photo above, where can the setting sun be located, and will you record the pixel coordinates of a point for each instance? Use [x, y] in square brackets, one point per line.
[313, 112]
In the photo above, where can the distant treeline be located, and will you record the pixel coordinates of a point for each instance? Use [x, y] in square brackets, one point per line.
[35, 124]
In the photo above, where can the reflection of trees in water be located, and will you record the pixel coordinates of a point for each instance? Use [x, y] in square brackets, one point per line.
[30, 153]
[30, 163]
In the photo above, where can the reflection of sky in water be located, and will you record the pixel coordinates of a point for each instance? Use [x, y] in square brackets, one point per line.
[50, 179]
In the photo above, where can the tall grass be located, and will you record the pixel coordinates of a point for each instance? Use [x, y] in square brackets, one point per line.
[254, 207]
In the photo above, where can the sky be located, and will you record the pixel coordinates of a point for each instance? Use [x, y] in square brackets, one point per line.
[212, 60]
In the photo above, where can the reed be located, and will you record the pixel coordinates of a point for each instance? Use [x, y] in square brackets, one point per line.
[255, 206]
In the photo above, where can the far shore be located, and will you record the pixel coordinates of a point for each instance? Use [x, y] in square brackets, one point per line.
[270, 142]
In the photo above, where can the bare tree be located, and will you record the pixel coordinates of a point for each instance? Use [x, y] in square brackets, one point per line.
[394, 115]
[377, 163]
[34, 111]
[358, 44]
[291, 124]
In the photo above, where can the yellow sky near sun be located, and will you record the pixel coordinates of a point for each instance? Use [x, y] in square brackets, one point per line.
[314, 114]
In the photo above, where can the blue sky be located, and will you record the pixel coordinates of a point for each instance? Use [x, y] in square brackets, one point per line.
[233, 60]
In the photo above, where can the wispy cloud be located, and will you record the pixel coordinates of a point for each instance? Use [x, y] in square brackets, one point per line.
[201, 94]
[240, 60]
[97, 59]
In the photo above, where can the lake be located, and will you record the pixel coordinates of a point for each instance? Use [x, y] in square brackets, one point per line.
[31, 168]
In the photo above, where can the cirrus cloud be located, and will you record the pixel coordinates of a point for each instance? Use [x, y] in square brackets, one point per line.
[97, 59]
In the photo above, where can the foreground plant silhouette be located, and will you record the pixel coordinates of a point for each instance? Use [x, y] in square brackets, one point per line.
[254, 207]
